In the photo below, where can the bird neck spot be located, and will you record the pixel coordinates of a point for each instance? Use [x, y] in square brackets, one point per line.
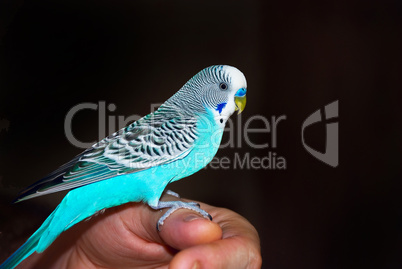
[220, 107]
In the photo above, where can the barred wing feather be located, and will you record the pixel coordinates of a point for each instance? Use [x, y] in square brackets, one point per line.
[155, 139]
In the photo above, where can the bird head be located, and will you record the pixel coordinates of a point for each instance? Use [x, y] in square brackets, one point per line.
[218, 90]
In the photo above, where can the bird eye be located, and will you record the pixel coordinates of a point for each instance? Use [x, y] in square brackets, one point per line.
[223, 86]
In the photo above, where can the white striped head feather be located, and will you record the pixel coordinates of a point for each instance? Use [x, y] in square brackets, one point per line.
[213, 90]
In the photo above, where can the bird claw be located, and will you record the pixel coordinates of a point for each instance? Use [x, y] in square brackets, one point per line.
[175, 194]
[194, 204]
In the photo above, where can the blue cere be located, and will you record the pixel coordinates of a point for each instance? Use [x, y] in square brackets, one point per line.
[241, 92]
[220, 107]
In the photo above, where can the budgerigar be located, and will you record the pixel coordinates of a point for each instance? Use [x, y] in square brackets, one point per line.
[136, 163]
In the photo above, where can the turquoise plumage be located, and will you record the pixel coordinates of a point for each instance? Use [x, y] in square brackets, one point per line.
[136, 163]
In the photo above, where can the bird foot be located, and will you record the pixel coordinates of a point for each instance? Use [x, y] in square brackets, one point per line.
[175, 205]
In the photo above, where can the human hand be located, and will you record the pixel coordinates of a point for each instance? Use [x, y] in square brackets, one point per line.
[126, 237]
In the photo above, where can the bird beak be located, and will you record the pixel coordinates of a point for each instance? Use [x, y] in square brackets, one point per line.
[240, 100]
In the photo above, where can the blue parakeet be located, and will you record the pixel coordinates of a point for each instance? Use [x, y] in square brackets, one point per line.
[136, 163]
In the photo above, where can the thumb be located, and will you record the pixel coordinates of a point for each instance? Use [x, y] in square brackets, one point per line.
[186, 228]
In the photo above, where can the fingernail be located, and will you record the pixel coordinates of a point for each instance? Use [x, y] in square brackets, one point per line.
[192, 217]
[196, 265]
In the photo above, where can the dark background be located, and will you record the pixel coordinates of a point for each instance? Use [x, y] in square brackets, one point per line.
[297, 58]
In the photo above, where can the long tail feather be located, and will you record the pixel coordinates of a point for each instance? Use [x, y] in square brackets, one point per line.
[27, 248]
[23, 252]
